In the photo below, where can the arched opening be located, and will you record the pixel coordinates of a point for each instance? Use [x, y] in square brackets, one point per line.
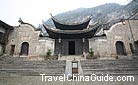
[136, 47]
[120, 48]
[1, 49]
[12, 49]
[24, 48]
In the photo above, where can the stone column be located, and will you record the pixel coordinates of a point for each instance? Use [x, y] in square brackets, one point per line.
[60, 48]
[84, 50]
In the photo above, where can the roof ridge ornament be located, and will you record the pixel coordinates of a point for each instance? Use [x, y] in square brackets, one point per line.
[53, 18]
[20, 21]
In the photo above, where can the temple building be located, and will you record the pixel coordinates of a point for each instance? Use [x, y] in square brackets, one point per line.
[116, 38]
[25, 41]
[106, 40]
[5, 29]
[71, 38]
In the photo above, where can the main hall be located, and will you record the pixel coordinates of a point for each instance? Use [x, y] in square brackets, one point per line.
[110, 40]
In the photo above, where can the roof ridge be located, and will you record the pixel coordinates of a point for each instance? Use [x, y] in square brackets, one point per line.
[67, 23]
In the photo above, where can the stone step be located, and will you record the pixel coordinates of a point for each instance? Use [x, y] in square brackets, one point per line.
[111, 74]
[119, 62]
[108, 67]
[113, 67]
[71, 57]
[32, 68]
[29, 72]
[108, 60]
[115, 72]
[41, 63]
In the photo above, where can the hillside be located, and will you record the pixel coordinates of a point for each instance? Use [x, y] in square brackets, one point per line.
[99, 13]
[103, 13]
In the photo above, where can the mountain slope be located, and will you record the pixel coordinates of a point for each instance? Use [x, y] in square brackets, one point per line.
[104, 13]
[76, 15]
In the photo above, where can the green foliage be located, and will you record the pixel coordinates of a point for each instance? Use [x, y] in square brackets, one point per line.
[91, 52]
[48, 54]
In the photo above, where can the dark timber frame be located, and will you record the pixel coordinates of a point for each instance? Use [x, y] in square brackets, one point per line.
[71, 39]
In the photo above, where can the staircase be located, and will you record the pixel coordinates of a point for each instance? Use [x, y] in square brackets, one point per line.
[111, 67]
[71, 57]
[24, 67]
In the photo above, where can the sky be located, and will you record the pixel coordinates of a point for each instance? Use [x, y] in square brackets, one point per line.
[34, 11]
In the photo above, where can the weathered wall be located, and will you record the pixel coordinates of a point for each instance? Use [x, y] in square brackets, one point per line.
[118, 32]
[45, 44]
[1, 49]
[23, 33]
[134, 26]
[99, 46]
[103, 46]
[27, 33]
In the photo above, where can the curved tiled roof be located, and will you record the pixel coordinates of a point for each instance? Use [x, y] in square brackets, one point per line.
[57, 33]
[5, 25]
[71, 26]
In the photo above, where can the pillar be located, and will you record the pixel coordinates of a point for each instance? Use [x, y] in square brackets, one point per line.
[60, 48]
[84, 50]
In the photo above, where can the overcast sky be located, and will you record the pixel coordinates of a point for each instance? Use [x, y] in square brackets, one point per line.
[34, 11]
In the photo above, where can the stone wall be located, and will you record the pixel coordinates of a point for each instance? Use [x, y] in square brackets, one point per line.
[45, 44]
[1, 49]
[118, 32]
[102, 46]
[27, 33]
[99, 46]
[134, 26]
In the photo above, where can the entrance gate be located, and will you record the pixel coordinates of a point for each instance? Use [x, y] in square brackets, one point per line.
[120, 48]
[24, 48]
[71, 47]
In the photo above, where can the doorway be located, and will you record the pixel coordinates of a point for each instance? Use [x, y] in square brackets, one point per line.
[71, 47]
[136, 46]
[131, 48]
[12, 49]
[24, 48]
[120, 48]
